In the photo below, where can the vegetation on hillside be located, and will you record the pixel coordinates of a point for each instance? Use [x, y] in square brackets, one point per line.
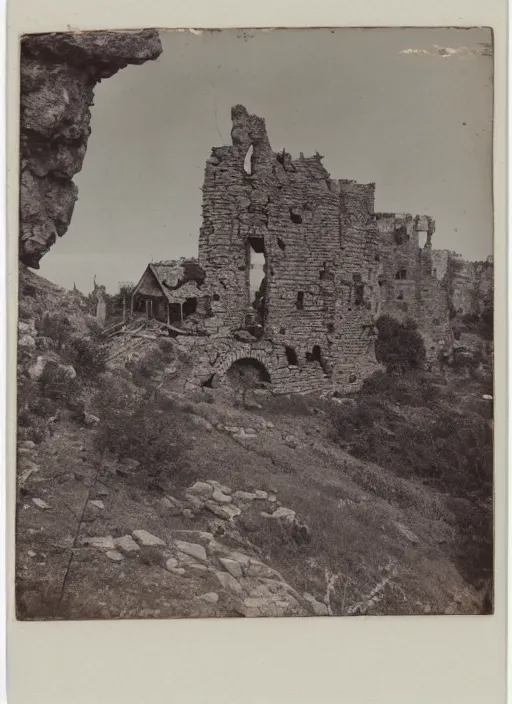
[399, 347]
[420, 426]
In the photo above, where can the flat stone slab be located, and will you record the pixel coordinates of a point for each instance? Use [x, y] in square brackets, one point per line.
[221, 487]
[319, 609]
[173, 507]
[146, 539]
[232, 511]
[229, 582]
[103, 542]
[221, 498]
[41, 504]
[197, 502]
[219, 511]
[257, 569]
[177, 570]
[234, 568]
[283, 512]
[244, 496]
[127, 545]
[244, 434]
[114, 556]
[192, 549]
[210, 597]
[197, 568]
[201, 489]
[97, 504]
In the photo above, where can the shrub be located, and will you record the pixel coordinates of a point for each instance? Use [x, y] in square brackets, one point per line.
[141, 426]
[55, 382]
[399, 346]
[412, 389]
[144, 368]
[87, 355]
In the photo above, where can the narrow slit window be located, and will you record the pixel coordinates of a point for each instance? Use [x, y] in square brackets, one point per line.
[248, 161]
[358, 294]
[300, 300]
[401, 274]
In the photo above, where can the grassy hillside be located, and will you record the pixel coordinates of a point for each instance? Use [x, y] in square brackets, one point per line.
[380, 503]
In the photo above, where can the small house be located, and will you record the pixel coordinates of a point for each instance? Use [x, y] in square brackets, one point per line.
[169, 291]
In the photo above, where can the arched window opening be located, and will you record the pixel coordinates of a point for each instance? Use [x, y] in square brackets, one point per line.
[248, 161]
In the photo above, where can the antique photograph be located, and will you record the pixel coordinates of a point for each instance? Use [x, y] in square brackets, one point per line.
[255, 324]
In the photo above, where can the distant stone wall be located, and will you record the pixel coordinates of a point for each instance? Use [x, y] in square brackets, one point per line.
[58, 76]
[412, 278]
[472, 285]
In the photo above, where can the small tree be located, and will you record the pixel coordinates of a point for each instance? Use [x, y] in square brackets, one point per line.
[399, 346]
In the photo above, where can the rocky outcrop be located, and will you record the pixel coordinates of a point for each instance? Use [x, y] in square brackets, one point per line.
[58, 76]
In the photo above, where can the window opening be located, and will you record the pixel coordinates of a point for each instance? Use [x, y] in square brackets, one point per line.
[248, 161]
[291, 356]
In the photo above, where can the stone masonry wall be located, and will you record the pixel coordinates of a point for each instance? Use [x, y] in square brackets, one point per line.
[320, 244]
[412, 279]
[58, 76]
[472, 285]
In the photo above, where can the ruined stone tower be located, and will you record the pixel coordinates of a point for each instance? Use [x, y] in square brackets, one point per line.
[331, 267]
[320, 243]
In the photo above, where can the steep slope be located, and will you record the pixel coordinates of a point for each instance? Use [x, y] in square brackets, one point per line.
[224, 511]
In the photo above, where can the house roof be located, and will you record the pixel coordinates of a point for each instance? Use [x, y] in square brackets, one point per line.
[170, 274]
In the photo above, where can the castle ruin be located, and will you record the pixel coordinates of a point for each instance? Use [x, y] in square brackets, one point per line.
[332, 266]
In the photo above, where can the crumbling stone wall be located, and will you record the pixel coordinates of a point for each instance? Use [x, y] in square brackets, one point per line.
[332, 265]
[471, 285]
[412, 278]
[320, 244]
[58, 76]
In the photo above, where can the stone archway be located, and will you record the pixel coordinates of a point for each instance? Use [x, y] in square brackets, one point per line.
[246, 352]
[249, 372]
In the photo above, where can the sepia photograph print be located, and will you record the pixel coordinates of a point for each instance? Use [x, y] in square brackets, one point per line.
[255, 324]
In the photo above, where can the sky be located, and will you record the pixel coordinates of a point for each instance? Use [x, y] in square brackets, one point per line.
[408, 109]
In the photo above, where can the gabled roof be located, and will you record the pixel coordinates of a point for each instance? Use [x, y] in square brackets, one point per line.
[173, 278]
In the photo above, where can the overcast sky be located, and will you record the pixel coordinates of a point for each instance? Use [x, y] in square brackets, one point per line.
[383, 105]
